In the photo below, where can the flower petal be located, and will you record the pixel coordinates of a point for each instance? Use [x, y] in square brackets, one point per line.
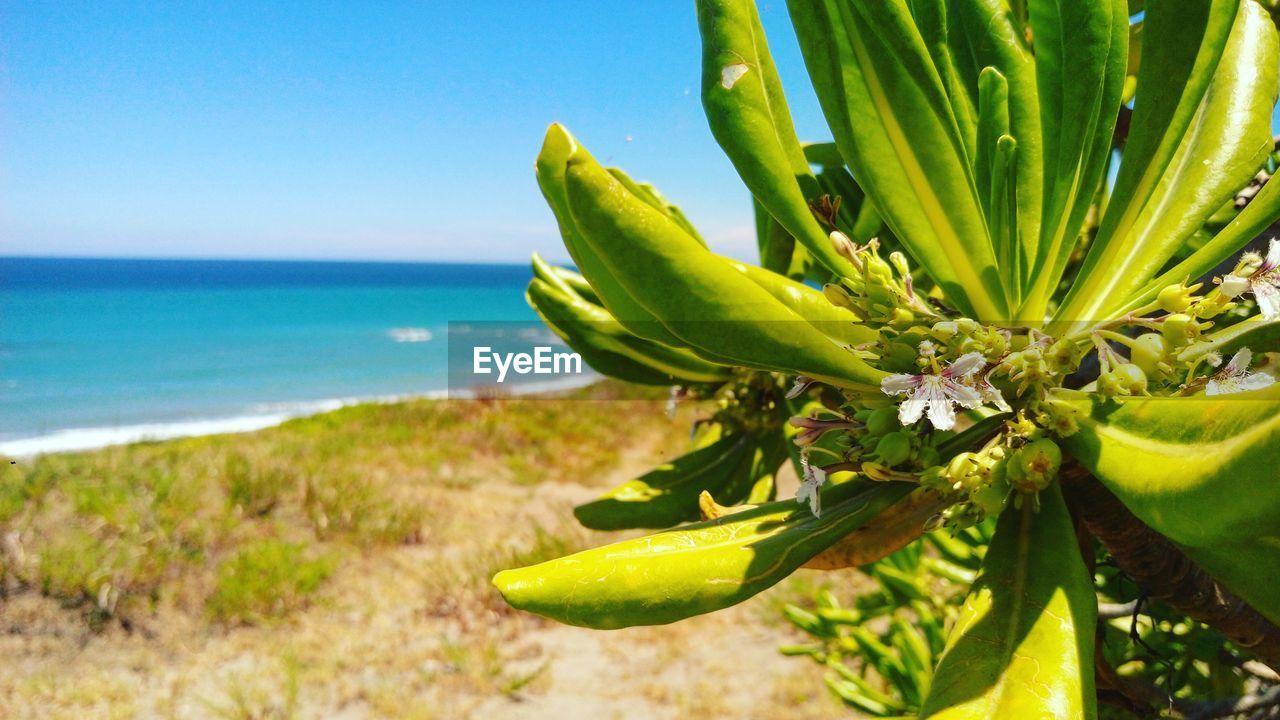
[911, 410]
[962, 394]
[1255, 381]
[941, 414]
[991, 394]
[1233, 285]
[1268, 297]
[1273, 254]
[899, 384]
[966, 365]
[1239, 362]
[802, 383]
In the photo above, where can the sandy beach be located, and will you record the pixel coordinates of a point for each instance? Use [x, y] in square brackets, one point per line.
[337, 566]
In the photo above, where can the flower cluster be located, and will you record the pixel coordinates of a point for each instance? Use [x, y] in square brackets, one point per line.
[1164, 347]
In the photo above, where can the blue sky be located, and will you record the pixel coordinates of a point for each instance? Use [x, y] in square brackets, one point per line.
[399, 131]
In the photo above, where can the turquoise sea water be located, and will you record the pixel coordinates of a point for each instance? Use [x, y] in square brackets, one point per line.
[96, 351]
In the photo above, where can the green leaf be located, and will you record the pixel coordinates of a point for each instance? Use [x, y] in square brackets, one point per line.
[1023, 646]
[694, 569]
[557, 148]
[650, 194]
[834, 322]
[1256, 333]
[748, 115]
[775, 244]
[668, 494]
[892, 120]
[1261, 213]
[699, 297]
[1183, 45]
[601, 359]
[590, 328]
[1081, 52]
[988, 35]
[1199, 470]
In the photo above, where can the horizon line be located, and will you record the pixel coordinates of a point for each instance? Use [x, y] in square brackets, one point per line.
[205, 258]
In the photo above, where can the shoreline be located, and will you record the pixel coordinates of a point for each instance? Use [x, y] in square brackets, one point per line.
[93, 438]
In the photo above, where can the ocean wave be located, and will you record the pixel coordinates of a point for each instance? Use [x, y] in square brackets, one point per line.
[259, 417]
[410, 334]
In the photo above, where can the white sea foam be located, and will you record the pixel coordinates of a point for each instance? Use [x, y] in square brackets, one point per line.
[410, 334]
[259, 417]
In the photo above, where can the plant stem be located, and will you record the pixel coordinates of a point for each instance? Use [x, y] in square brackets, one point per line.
[1162, 570]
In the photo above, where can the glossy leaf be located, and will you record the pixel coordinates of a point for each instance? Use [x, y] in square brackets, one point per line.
[989, 37]
[1261, 213]
[700, 297]
[557, 148]
[695, 569]
[599, 357]
[895, 528]
[748, 115]
[1199, 470]
[1183, 45]
[1081, 53]
[590, 327]
[1023, 646]
[668, 494]
[891, 118]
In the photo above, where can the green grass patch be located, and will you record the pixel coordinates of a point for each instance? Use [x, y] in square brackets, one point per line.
[122, 530]
[267, 579]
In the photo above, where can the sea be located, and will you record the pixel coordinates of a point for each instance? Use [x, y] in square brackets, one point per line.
[102, 351]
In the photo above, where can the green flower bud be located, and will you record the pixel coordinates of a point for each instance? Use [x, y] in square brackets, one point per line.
[883, 421]
[1150, 352]
[1179, 329]
[961, 465]
[1175, 298]
[901, 316]
[838, 296]
[1063, 356]
[1037, 464]
[992, 497]
[944, 330]
[894, 448]
[1123, 379]
[899, 262]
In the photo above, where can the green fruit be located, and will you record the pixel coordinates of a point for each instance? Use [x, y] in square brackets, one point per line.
[1180, 329]
[992, 497]
[883, 421]
[1174, 299]
[1148, 352]
[1037, 465]
[894, 448]
[1123, 379]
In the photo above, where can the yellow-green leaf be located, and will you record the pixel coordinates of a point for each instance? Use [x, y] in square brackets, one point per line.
[1023, 646]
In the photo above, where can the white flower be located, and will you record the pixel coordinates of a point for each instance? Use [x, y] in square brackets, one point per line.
[1263, 281]
[937, 393]
[991, 394]
[811, 486]
[1235, 377]
[803, 382]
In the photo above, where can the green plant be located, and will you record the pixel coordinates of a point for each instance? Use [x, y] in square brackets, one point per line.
[1052, 186]
[267, 579]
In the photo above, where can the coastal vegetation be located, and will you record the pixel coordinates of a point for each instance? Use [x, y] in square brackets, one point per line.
[340, 563]
[1010, 316]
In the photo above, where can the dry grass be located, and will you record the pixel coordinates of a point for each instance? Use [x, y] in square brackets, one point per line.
[338, 566]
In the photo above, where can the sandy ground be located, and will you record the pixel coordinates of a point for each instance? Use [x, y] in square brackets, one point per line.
[415, 631]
